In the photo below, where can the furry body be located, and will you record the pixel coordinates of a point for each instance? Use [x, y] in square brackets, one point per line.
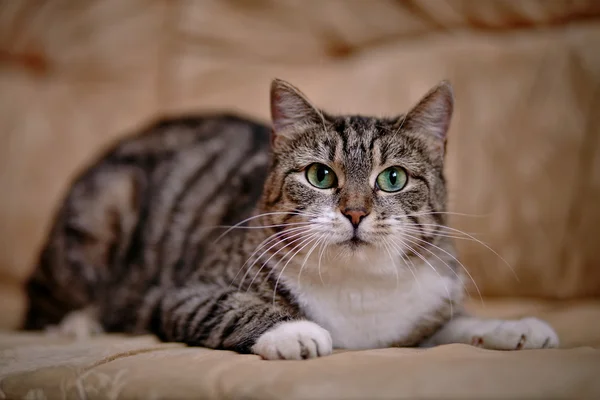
[142, 235]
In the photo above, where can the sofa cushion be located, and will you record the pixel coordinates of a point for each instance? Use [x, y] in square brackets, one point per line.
[119, 367]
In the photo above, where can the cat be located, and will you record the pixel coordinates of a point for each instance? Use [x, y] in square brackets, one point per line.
[285, 241]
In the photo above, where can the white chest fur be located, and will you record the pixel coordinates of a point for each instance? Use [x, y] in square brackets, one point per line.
[363, 311]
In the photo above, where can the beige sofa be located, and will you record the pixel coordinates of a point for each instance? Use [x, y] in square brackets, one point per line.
[523, 161]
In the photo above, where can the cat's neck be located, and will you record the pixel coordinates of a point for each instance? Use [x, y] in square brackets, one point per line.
[371, 301]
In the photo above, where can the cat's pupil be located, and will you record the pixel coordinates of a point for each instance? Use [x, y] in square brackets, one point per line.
[393, 176]
[322, 173]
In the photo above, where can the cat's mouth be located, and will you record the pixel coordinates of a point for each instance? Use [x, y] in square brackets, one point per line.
[356, 242]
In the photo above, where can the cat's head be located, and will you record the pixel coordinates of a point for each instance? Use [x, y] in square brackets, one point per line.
[357, 182]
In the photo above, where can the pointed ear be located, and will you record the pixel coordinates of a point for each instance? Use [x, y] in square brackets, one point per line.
[431, 116]
[290, 108]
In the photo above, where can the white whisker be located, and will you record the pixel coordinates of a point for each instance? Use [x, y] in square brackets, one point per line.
[411, 227]
[263, 244]
[264, 226]
[261, 216]
[446, 213]
[405, 221]
[308, 255]
[401, 253]
[302, 241]
[322, 250]
[483, 244]
[434, 270]
[295, 235]
[286, 264]
[412, 240]
[386, 246]
[269, 259]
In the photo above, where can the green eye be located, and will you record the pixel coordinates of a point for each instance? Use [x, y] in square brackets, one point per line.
[321, 176]
[392, 179]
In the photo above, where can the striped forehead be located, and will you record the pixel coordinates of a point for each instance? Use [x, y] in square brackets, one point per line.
[354, 143]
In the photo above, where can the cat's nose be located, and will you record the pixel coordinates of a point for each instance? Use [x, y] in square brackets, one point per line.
[355, 215]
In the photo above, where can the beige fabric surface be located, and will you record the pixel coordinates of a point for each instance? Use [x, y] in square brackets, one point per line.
[117, 367]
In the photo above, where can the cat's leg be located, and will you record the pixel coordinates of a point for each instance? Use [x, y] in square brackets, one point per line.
[225, 318]
[526, 333]
[79, 324]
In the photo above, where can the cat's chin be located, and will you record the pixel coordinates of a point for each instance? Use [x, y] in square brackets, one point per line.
[354, 248]
[362, 249]
[356, 243]
[353, 245]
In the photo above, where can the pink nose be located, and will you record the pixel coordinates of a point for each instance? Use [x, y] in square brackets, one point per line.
[355, 215]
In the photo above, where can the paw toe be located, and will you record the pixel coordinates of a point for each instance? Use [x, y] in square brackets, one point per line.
[539, 334]
[295, 340]
[527, 333]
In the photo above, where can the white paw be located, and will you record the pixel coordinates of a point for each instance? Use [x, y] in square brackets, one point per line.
[526, 333]
[79, 324]
[294, 340]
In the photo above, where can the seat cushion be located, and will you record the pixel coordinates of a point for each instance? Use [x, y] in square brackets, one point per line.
[114, 366]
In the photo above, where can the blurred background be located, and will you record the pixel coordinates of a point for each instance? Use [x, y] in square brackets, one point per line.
[524, 145]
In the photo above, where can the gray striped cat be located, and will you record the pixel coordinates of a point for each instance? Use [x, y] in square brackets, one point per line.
[319, 232]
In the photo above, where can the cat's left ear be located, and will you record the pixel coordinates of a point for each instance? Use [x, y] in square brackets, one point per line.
[431, 116]
[290, 110]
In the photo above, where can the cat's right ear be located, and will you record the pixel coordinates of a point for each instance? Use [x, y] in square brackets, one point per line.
[290, 111]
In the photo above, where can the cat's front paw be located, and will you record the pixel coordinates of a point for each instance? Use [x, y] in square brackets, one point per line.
[526, 333]
[294, 340]
[80, 324]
